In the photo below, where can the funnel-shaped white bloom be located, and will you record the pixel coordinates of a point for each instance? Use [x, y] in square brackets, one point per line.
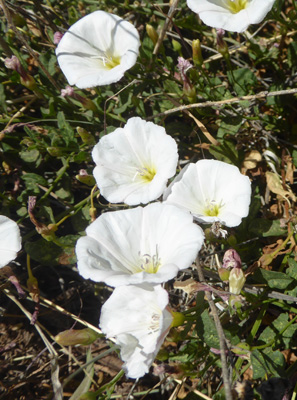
[97, 50]
[212, 191]
[231, 15]
[149, 244]
[10, 240]
[134, 163]
[136, 316]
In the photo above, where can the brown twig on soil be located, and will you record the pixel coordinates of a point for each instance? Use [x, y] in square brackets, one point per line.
[221, 335]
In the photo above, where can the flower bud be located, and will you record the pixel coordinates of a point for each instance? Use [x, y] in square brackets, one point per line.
[231, 259]
[25, 78]
[152, 33]
[71, 337]
[86, 137]
[178, 319]
[176, 46]
[85, 178]
[221, 44]
[57, 37]
[224, 274]
[54, 151]
[196, 52]
[92, 212]
[236, 280]
[87, 103]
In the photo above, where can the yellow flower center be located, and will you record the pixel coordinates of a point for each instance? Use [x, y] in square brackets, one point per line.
[112, 62]
[236, 5]
[107, 61]
[212, 209]
[149, 264]
[146, 174]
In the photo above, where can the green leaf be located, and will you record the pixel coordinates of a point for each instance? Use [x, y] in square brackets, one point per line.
[32, 181]
[43, 251]
[292, 54]
[206, 329]
[30, 156]
[225, 152]
[264, 227]
[267, 362]
[86, 382]
[292, 270]
[275, 280]
[229, 126]
[244, 78]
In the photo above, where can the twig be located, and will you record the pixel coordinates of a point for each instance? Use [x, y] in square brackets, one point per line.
[220, 332]
[165, 26]
[16, 115]
[112, 97]
[200, 125]
[260, 95]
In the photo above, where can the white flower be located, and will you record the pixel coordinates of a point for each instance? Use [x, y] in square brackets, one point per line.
[231, 15]
[134, 163]
[212, 191]
[143, 244]
[97, 50]
[10, 240]
[136, 316]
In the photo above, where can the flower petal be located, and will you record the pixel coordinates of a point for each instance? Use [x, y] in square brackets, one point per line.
[10, 240]
[97, 50]
[217, 14]
[136, 316]
[149, 244]
[134, 163]
[212, 182]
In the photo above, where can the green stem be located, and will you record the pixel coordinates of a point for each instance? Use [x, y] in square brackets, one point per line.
[104, 354]
[111, 383]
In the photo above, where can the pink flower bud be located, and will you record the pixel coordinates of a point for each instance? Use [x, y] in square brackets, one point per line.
[14, 64]
[231, 259]
[57, 37]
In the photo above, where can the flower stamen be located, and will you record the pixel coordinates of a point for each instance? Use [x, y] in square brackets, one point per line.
[155, 323]
[108, 62]
[212, 209]
[145, 174]
[150, 264]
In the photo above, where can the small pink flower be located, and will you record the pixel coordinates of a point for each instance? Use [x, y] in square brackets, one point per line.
[57, 37]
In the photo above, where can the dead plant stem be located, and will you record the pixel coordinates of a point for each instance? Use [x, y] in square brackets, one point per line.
[233, 100]
[222, 339]
[165, 26]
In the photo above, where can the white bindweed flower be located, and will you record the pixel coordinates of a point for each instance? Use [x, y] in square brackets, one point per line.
[144, 244]
[97, 50]
[137, 317]
[134, 163]
[212, 191]
[231, 15]
[10, 240]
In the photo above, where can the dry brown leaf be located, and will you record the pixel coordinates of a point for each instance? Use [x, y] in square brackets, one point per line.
[290, 171]
[189, 286]
[252, 159]
[275, 186]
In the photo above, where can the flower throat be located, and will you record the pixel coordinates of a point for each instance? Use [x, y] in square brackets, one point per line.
[236, 5]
